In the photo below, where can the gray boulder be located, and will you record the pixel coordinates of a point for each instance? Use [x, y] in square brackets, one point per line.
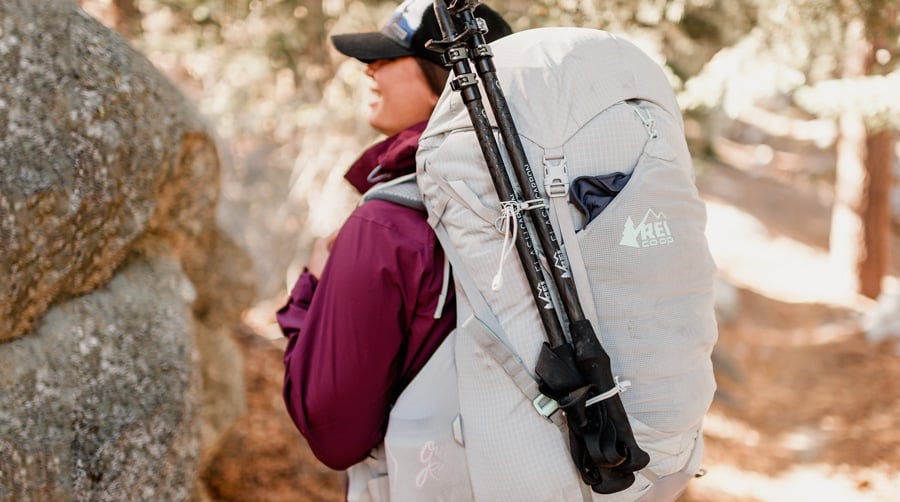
[101, 401]
[120, 289]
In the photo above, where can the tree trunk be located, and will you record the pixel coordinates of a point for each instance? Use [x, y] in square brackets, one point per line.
[876, 213]
[126, 18]
[120, 15]
[861, 219]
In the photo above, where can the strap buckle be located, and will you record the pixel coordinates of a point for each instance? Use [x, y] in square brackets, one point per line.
[545, 405]
[556, 177]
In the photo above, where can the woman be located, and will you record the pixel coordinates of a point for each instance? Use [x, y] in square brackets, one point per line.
[367, 312]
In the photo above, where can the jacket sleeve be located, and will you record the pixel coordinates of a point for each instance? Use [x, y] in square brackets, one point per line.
[291, 316]
[347, 338]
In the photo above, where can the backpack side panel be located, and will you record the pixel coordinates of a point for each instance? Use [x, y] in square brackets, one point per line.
[425, 461]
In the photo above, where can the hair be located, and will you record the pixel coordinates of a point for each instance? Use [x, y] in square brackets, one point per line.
[435, 74]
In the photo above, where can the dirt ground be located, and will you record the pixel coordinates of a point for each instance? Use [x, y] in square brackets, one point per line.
[807, 408]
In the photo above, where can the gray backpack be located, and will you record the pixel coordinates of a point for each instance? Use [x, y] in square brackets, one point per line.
[602, 120]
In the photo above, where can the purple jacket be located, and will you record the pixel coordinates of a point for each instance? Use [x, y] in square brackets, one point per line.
[359, 335]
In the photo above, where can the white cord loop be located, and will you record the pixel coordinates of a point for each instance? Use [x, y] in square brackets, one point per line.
[507, 220]
[617, 389]
[509, 212]
[648, 121]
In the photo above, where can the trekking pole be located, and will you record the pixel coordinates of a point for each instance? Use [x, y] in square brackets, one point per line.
[577, 374]
[454, 48]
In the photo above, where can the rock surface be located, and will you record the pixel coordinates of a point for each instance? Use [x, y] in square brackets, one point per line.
[117, 367]
[100, 402]
[97, 149]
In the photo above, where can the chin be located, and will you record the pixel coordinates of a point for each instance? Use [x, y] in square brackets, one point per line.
[387, 131]
[374, 123]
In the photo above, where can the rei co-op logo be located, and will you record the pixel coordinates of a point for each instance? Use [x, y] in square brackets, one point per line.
[653, 230]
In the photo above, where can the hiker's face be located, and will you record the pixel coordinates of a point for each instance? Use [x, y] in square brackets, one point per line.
[401, 96]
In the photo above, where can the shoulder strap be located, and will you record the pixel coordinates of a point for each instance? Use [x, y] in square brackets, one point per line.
[402, 191]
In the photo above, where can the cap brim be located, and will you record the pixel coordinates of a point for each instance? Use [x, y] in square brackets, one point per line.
[368, 47]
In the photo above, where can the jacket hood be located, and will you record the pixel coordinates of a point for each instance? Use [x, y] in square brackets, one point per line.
[386, 160]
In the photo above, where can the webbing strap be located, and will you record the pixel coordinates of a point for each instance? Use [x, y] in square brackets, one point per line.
[460, 275]
[445, 289]
[511, 364]
[562, 219]
[460, 192]
[491, 337]
[402, 190]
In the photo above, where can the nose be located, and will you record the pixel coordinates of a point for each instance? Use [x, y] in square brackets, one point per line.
[373, 67]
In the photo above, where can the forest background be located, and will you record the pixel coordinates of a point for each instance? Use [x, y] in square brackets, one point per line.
[791, 110]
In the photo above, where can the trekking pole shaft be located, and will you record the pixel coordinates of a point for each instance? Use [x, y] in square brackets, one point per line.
[465, 83]
[558, 265]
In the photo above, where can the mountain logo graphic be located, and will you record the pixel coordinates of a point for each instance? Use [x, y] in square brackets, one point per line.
[652, 231]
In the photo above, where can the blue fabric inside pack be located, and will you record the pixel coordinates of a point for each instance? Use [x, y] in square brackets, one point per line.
[591, 194]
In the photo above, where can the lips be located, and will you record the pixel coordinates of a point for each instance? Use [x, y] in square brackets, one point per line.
[376, 97]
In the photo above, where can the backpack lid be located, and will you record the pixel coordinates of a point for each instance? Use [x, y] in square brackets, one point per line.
[556, 79]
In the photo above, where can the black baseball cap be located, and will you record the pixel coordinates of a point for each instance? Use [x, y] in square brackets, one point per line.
[405, 33]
